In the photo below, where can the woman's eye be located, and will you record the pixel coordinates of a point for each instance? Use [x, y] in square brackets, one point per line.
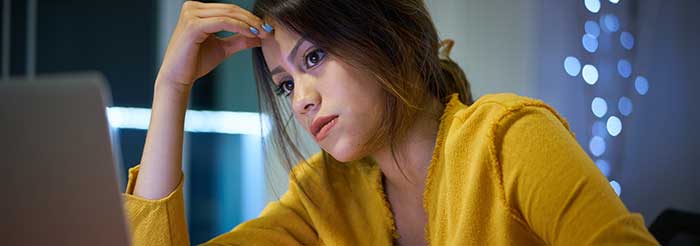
[285, 88]
[314, 57]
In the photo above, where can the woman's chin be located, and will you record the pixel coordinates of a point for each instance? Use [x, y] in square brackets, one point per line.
[343, 153]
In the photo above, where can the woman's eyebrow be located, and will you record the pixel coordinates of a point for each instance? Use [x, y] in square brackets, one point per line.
[276, 71]
[290, 57]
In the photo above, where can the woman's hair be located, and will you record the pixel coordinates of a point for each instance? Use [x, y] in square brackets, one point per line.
[394, 42]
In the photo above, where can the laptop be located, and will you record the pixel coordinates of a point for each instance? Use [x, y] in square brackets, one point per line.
[59, 167]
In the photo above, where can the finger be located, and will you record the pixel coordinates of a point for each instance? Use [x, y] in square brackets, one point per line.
[228, 7]
[216, 24]
[234, 11]
[236, 43]
[251, 20]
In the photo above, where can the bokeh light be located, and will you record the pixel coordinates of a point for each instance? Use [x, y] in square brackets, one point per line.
[624, 68]
[641, 84]
[624, 105]
[627, 40]
[599, 129]
[599, 107]
[616, 187]
[592, 28]
[592, 5]
[609, 23]
[614, 126]
[590, 74]
[590, 43]
[597, 146]
[603, 166]
[572, 66]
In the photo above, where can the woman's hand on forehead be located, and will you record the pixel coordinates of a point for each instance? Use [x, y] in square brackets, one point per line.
[194, 49]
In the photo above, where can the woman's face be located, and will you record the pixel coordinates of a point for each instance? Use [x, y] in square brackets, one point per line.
[335, 103]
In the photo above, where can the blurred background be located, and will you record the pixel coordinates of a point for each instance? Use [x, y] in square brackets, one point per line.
[624, 73]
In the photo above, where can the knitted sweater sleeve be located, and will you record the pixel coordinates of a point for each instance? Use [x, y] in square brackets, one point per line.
[162, 222]
[555, 188]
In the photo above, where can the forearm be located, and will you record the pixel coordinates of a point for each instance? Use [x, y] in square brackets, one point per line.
[162, 154]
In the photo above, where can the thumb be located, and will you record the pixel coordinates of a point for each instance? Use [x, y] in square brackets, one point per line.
[237, 43]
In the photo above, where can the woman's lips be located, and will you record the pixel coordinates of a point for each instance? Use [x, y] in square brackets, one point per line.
[325, 130]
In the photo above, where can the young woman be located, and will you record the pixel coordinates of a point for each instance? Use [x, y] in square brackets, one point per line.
[407, 157]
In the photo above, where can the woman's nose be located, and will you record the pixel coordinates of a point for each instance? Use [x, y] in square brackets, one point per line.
[305, 96]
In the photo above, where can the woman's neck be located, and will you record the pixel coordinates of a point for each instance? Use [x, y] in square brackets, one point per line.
[413, 155]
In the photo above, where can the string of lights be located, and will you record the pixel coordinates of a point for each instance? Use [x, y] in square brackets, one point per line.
[607, 115]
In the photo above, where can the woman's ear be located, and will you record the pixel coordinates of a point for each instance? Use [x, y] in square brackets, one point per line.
[446, 48]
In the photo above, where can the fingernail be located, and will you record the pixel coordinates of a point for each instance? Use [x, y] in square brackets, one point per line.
[267, 27]
[254, 30]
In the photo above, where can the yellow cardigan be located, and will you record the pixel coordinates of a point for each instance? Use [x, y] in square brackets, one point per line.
[505, 170]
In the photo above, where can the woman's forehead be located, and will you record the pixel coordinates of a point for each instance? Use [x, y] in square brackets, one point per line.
[276, 48]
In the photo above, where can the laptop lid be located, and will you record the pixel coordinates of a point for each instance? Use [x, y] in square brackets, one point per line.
[59, 184]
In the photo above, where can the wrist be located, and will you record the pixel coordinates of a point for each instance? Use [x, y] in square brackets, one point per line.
[172, 87]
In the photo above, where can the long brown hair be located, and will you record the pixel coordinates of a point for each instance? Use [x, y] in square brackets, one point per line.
[393, 41]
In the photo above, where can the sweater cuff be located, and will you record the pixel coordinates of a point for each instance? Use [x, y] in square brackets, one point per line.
[156, 222]
[131, 184]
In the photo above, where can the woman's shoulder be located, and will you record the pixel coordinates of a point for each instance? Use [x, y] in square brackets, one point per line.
[491, 114]
[505, 102]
